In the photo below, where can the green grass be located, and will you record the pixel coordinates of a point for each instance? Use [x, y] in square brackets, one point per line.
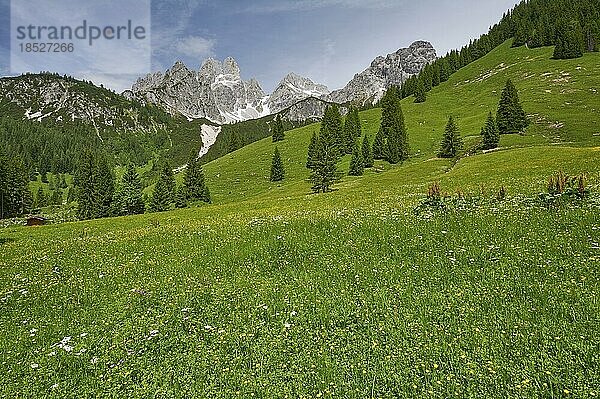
[273, 292]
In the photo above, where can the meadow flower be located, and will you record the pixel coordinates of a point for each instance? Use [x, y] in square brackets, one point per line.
[35, 365]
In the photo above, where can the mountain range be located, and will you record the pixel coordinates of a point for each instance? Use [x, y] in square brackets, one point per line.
[217, 91]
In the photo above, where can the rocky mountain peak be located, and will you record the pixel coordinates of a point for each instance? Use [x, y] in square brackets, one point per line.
[231, 67]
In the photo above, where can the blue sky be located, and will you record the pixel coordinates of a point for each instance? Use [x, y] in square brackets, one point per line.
[326, 40]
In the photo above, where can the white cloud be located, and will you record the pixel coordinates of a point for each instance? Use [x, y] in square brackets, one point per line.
[196, 46]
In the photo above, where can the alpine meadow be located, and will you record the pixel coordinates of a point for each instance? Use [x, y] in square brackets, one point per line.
[430, 230]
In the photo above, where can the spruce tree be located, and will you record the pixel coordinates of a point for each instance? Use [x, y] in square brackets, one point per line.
[491, 136]
[420, 95]
[352, 129]
[332, 123]
[367, 152]
[278, 131]
[85, 182]
[277, 170]
[379, 145]
[194, 182]
[452, 142]
[163, 195]
[357, 163]
[41, 199]
[104, 188]
[392, 124]
[570, 41]
[312, 150]
[132, 202]
[510, 117]
[325, 173]
[181, 197]
[234, 142]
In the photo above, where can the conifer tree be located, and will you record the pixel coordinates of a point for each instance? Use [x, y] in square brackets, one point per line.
[392, 124]
[278, 130]
[379, 145]
[367, 152]
[277, 170]
[132, 202]
[569, 42]
[491, 136]
[452, 142]
[104, 188]
[332, 123]
[56, 198]
[234, 142]
[352, 129]
[164, 191]
[41, 199]
[510, 117]
[85, 182]
[312, 150]
[194, 182]
[181, 197]
[420, 95]
[325, 172]
[357, 163]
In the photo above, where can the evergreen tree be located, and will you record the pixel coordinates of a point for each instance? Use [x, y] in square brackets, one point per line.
[357, 163]
[367, 152]
[56, 198]
[312, 150]
[325, 172]
[452, 142]
[15, 197]
[71, 197]
[491, 136]
[85, 182]
[131, 199]
[278, 130]
[164, 191]
[352, 129]
[332, 123]
[379, 145]
[181, 197]
[420, 95]
[277, 170]
[41, 199]
[194, 182]
[510, 117]
[569, 42]
[392, 124]
[104, 188]
[234, 142]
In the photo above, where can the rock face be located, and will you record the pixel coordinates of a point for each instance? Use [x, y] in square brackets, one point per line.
[218, 93]
[215, 92]
[309, 109]
[369, 86]
[292, 89]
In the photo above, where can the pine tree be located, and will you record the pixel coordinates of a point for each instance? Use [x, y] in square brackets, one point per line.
[194, 182]
[367, 152]
[234, 142]
[41, 199]
[420, 95]
[181, 197]
[491, 136]
[312, 150]
[131, 199]
[332, 123]
[277, 170]
[56, 198]
[164, 191]
[570, 41]
[357, 163]
[392, 124]
[85, 182]
[278, 131]
[379, 145]
[104, 188]
[510, 117]
[325, 172]
[452, 142]
[352, 129]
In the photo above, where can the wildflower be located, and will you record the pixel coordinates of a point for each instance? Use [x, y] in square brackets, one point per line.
[35, 365]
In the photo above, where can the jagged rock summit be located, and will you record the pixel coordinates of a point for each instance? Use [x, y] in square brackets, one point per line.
[394, 69]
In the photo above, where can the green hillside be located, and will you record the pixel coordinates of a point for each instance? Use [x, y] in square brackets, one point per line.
[273, 292]
[559, 96]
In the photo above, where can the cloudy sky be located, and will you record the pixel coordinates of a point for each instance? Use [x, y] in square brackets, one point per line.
[326, 40]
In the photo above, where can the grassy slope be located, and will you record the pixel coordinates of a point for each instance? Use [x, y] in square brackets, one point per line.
[341, 295]
[560, 96]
